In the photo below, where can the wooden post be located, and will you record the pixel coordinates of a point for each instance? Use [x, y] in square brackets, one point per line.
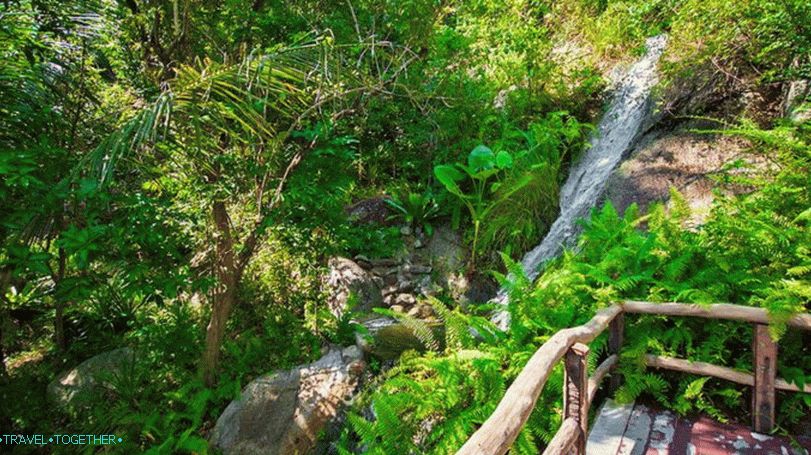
[575, 392]
[615, 339]
[765, 361]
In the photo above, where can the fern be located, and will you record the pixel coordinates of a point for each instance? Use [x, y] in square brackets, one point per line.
[754, 249]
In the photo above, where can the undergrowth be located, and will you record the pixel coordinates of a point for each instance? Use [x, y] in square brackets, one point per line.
[752, 250]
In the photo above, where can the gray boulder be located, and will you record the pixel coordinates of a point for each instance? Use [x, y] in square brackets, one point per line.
[76, 387]
[677, 159]
[283, 413]
[386, 338]
[346, 278]
[796, 94]
[369, 211]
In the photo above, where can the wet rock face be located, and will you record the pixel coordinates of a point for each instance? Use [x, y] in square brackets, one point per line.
[680, 159]
[74, 388]
[284, 412]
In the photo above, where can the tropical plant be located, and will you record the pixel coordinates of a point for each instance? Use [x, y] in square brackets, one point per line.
[416, 209]
[483, 166]
[543, 152]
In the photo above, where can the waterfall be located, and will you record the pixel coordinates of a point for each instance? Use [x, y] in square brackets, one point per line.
[619, 127]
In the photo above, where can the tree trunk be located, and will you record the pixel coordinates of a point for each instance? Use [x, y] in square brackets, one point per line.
[3, 370]
[59, 326]
[227, 275]
[59, 321]
[5, 280]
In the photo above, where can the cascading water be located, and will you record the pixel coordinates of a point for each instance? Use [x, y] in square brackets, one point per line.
[587, 180]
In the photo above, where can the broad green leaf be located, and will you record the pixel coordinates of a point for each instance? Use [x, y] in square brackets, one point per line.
[504, 160]
[481, 158]
[448, 176]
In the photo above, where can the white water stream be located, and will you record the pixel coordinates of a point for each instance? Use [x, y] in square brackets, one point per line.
[587, 180]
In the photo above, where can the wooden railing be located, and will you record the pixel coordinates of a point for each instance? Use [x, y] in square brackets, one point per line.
[499, 431]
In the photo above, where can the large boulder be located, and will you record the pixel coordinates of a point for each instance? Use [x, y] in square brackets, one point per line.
[345, 279]
[797, 94]
[678, 159]
[386, 338]
[369, 211]
[284, 412]
[447, 253]
[445, 250]
[76, 387]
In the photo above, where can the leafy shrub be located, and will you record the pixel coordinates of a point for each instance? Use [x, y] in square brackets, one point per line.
[484, 195]
[512, 196]
[416, 209]
[753, 250]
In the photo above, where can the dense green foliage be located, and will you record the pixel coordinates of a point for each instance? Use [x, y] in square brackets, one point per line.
[175, 174]
[753, 250]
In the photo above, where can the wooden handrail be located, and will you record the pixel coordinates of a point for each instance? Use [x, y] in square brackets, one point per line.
[599, 374]
[726, 311]
[565, 437]
[716, 371]
[499, 431]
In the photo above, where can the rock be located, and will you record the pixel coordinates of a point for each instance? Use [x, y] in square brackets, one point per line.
[417, 269]
[405, 286]
[447, 254]
[391, 279]
[384, 271]
[76, 387]
[385, 262]
[418, 244]
[427, 287]
[679, 159]
[372, 324]
[345, 278]
[405, 300]
[391, 289]
[387, 339]
[425, 311]
[797, 93]
[405, 230]
[397, 308]
[414, 312]
[363, 261]
[284, 412]
[369, 211]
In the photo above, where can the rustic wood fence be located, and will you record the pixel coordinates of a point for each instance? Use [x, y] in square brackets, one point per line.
[499, 431]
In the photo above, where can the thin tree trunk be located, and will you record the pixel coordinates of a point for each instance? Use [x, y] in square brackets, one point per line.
[3, 371]
[59, 321]
[5, 280]
[227, 275]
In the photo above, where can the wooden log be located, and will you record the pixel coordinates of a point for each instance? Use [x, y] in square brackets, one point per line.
[616, 335]
[499, 431]
[599, 374]
[708, 369]
[576, 392]
[765, 361]
[715, 311]
[699, 368]
[564, 439]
